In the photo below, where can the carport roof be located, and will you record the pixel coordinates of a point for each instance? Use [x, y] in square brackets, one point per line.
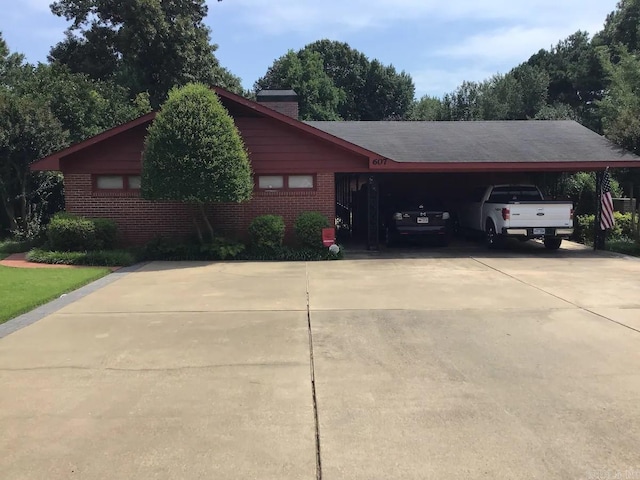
[523, 141]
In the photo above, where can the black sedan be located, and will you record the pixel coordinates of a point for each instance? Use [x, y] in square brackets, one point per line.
[415, 219]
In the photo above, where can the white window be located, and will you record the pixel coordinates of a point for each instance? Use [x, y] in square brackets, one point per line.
[300, 181]
[134, 182]
[110, 182]
[268, 182]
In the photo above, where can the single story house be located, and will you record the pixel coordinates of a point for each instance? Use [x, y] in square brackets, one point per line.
[341, 169]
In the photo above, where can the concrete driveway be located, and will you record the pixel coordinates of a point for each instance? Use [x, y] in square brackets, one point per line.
[435, 364]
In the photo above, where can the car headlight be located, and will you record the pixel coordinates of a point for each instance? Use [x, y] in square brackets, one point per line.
[397, 216]
[446, 216]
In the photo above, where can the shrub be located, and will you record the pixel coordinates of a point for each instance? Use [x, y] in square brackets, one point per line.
[581, 188]
[221, 249]
[18, 246]
[288, 254]
[70, 233]
[308, 228]
[621, 230]
[164, 249]
[106, 233]
[161, 248]
[267, 232]
[627, 247]
[103, 258]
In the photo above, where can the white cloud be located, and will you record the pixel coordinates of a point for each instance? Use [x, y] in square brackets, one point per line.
[438, 81]
[510, 44]
[303, 16]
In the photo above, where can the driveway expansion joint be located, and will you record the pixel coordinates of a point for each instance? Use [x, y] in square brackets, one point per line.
[313, 382]
[585, 309]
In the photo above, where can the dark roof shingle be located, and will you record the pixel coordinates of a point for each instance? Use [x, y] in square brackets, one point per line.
[482, 141]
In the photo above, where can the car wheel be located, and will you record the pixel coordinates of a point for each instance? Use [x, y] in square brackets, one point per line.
[492, 239]
[552, 243]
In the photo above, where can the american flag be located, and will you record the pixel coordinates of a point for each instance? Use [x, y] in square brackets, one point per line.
[606, 203]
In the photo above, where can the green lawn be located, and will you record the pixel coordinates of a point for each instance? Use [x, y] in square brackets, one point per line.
[23, 289]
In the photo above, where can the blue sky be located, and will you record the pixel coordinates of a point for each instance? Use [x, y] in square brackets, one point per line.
[440, 43]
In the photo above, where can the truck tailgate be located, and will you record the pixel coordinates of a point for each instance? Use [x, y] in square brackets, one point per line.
[549, 214]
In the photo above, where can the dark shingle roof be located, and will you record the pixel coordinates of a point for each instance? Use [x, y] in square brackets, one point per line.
[496, 141]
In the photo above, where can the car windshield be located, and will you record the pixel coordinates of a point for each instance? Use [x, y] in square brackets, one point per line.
[514, 194]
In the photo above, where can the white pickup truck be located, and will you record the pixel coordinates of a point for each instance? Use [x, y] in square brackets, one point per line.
[518, 211]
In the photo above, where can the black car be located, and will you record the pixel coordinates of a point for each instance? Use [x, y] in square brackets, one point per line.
[416, 219]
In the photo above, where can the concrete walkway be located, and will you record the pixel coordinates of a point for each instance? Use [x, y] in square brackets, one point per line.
[510, 365]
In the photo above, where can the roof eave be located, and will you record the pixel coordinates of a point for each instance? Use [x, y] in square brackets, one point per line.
[52, 162]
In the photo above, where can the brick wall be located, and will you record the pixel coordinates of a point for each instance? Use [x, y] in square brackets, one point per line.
[286, 108]
[139, 220]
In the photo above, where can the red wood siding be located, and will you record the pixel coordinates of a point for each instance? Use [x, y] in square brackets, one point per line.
[276, 148]
[139, 220]
[273, 148]
[119, 154]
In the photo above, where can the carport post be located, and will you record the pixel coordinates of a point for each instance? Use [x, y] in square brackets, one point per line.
[373, 205]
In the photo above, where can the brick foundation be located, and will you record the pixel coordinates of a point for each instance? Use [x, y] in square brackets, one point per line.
[139, 220]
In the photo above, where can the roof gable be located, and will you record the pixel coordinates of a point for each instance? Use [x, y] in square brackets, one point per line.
[52, 162]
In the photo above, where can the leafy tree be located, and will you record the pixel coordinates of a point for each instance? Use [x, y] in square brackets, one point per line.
[559, 111]
[501, 99]
[10, 63]
[319, 98]
[195, 154]
[366, 90]
[534, 89]
[622, 26]
[144, 45]
[463, 103]
[576, 76]
[28, 131]
[347, 68]
[83, 106]
[387, 94]
[426, 109]
[620, 108]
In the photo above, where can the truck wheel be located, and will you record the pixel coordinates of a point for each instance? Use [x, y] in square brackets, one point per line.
[492, 239]
[552, 243]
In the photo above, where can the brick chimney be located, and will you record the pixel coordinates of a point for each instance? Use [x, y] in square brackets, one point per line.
[283, 101]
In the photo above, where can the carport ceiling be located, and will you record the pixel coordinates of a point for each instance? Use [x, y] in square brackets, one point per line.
[495, 145]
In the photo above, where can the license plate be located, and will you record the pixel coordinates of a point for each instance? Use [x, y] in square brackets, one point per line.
[423, 219]
[539, 231]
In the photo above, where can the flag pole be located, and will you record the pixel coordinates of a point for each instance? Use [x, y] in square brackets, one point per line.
[596, 224]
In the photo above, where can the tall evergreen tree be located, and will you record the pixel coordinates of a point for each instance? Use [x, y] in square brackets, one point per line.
[144, 45]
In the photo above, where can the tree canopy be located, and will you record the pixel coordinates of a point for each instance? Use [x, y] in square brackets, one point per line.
[319, 98]
[335, 81]
[28, 131]
[194, 152]
[144, 45]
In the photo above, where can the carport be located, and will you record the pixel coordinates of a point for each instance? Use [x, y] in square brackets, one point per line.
[450, 158]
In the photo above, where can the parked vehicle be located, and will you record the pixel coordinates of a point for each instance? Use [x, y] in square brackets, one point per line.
[416, 219]
[519, 211]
